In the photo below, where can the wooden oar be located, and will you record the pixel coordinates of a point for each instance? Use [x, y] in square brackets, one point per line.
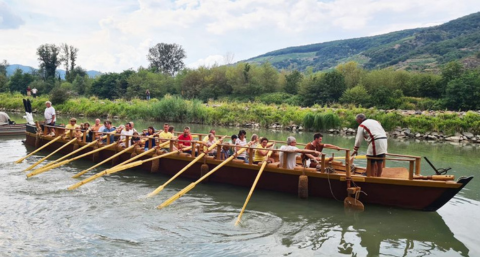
[356, 157]
[105, 172]
[160, 188]
[58, 164]
[192, 185]
[104, 161]
[73, 152]
[254, 185]
[48, 156]
[40, 148]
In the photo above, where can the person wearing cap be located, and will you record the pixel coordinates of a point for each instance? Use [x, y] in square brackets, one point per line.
[70, 127]
[50, 116]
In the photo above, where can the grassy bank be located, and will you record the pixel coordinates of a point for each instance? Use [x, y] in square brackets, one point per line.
[176, 109]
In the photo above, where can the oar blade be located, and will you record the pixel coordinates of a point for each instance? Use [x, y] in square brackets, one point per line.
[176, 196]
[156, 191]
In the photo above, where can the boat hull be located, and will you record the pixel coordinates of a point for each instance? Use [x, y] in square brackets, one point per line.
[12, 130]
[411, 194]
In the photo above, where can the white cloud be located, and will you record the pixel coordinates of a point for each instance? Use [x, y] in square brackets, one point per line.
[115, 35]
[209, 61]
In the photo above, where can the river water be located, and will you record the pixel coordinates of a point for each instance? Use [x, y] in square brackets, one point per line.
[111, 217]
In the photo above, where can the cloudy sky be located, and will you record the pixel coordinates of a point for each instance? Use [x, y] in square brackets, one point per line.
[114, 35]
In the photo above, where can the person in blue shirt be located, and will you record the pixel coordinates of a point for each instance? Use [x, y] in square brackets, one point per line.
[108, 128]
[151, 131]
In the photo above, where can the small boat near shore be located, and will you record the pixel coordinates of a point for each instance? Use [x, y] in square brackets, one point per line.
[398, 187]
[12, 130]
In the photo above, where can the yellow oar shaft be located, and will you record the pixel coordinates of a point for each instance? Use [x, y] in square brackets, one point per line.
[40, 148]
[58, 164]
[100, 174]
[138, 163]
[160, 188]
[192, 185]
[253, 186]
[104, 161]
[356, 157]
[74, 152]
[48, 156]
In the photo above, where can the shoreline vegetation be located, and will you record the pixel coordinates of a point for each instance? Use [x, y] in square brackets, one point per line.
[433, 125]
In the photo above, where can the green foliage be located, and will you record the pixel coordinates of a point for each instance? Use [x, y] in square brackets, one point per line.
[463, 93]
[357, 95]
[166, 58]
[60, 95]
[293, 81]
[19, 81]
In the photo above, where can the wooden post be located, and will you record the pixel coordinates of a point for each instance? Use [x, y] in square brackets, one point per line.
[285, 158]
[417, 165]
[219, 152]
[369, 167]
[84, 136]
[347, 163]
[410, 170]
[171, 145]
[108, 139]
[322, 163]
[250, 156]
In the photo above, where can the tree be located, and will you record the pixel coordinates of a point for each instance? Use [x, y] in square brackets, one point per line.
[166, 58]
[3, 68]
[268, 78]
[352, 73]
[20, 81]
[49, 57]
[357, 95]
[69, 57]
[292, 82]
[464, 92]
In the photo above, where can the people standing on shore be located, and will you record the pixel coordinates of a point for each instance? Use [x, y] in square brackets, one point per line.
[50, 117]
[373, 132]
[147, 93]
[34, 92]
[29, 91]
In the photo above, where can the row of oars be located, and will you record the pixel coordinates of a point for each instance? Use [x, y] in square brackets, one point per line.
[128, 164]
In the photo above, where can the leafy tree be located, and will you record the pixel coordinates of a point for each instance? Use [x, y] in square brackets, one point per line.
[268, 77]
[335, 85]
[49, 57]
[464, 92]
[4, 84]
[43, 87]
[19, 81]
[158, 84]
[166, 58]
[69, 57]
[3, 68]
[111, 85]
[292, 82]
[352, 73]
[357, 95]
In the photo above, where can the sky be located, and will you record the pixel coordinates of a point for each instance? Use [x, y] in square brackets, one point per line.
[115, 35]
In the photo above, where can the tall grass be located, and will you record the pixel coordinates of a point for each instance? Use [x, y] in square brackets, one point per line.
[176, 109]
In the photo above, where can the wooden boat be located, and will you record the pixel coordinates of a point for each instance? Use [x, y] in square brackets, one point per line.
[12, 130]
[398, 186]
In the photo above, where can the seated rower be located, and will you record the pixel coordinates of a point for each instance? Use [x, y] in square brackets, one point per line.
[316, 145]
[150, 131]
[108, 128]
[292, 156]
[211, 141]
[228, 149]
[239, 142]
[126, 134]
[135, 139]
[78, 134]
[70, 128]
[261, 155]
[185, 139]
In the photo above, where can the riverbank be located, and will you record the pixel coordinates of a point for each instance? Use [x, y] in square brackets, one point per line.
[317, 118]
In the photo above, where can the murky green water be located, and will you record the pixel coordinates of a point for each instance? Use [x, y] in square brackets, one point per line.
[110, 217]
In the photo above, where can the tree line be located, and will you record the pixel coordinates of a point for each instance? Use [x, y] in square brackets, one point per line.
[455, 88]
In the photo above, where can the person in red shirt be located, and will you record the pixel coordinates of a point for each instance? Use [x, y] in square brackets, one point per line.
[187, 137]
[316, 145]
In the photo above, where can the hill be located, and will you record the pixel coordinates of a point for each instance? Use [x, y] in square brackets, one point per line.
[27, 69]
[413, 49]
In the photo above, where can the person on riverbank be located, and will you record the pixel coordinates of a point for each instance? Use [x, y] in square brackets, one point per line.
[240, 143]
[29, 91]
[34, 92]
[50, 117]
[316, 145]
[150, 132]
[261, 155]
[373, 132]
[147, 94]
[185, 139]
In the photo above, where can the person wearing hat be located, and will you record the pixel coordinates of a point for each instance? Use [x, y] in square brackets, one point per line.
[70, 127]
[50, 117]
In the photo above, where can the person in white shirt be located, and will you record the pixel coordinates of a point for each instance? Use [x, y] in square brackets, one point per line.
[128, 131]
[34, 92]
[291, 157]
[50, 116]
[241, 141]
[373, 132]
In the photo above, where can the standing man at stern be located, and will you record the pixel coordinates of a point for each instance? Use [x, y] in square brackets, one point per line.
[373, 132]
[50, 117]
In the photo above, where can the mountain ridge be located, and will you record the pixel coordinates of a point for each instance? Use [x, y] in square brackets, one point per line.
[28, 69]
[412, 49]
